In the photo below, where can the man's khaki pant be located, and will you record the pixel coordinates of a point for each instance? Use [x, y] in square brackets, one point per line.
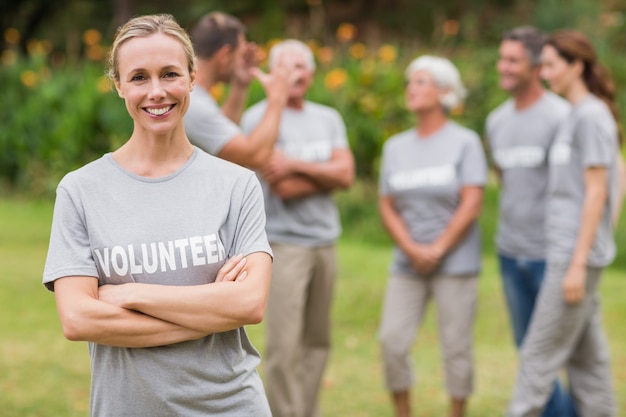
[298, 327]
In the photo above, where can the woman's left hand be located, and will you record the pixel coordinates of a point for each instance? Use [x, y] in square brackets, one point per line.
[574, 284]
[233, 269]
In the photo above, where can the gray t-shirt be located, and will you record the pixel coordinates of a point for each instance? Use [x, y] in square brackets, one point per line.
[587, 138]
[519, 142]
[205, 124]
[175, 230]
[424, 177]
[310, 134]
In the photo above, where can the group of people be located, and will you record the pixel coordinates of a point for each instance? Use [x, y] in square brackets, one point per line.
[211, 218]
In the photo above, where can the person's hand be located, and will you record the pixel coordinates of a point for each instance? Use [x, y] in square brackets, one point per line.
[574, 284]
[277, 168]
[117, 295]
[425, 258]
[278, 82]
[246, 66]
[233, 270]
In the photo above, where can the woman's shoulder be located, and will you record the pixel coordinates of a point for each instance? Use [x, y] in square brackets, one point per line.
[93, 172]
[461, 132]
[220, 168]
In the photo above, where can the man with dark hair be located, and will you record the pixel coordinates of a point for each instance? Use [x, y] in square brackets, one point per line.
[520, 132]
[224, 56]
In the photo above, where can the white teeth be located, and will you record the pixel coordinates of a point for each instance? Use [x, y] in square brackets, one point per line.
[158, 112]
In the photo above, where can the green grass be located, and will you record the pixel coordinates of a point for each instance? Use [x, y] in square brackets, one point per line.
[41, 374]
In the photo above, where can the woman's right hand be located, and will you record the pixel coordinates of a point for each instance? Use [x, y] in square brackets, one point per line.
[233, 270]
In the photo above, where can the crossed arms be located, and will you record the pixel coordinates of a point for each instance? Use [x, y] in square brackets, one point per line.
[145, 315]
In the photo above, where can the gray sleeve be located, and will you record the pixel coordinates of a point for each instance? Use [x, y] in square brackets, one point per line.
[249, 234]
[383, 187]
[340, 138]
[69, 252]
[597, 144]
[473, 166]
[207, 127]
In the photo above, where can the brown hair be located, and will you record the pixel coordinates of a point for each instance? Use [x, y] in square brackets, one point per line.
[213, 31]
[573, 46]
[145, 26]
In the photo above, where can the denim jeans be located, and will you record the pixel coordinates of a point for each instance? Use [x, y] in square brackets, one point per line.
[522, 279]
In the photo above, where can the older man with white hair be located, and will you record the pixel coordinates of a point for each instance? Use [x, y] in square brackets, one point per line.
[431, 191]
[310, 160]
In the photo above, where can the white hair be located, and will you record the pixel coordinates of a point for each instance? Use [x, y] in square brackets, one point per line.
[446, 76]
[292, 45]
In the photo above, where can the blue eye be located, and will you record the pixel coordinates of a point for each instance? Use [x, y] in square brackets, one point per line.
[137, 77]
[171, 74]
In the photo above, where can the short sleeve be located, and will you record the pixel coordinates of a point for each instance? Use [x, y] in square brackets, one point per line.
[250, 233]
[340, 138]
[473, 166]
[69, 251]
[597, 141]
[383, 178]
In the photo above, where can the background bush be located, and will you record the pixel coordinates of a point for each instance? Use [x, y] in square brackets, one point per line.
[56, 115]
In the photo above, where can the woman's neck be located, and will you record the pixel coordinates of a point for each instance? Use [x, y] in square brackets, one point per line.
[154, 156]
[431, 121]
[577, 92]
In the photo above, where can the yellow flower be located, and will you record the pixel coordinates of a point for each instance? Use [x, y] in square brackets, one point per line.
[91, 37]
[8, 57]
[217, 91]
[387, 53]
[451, 27]
[28, 78]
[312, 43]
[346, 32]
[357, 51]
[325, 54]
[335, 79]
[35, 47]
[272, 42]
[458, 110]
[95, 52]
[104, 84]
[261, 54]
[12, 36]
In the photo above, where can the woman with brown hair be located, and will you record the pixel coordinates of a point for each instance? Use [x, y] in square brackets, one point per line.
[566, 330]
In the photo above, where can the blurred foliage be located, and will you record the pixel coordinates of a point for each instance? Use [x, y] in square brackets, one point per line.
[57, 112]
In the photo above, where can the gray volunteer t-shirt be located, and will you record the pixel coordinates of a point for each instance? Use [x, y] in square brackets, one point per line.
[176, 230]
[587, 138]
[519, 142]
[310, 134]
[205, 124]
[424, 177]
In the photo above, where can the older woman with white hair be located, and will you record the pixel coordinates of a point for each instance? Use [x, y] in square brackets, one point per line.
[431, 191]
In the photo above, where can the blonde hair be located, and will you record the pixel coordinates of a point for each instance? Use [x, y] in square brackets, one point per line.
[144, 26]
[446, 76]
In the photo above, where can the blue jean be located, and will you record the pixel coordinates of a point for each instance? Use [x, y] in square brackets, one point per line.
[522, 279]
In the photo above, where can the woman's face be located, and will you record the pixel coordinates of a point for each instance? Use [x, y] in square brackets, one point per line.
[556, 71]
[422, 92]
[154, 82]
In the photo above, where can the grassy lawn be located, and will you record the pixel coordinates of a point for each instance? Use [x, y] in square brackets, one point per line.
[42, 374]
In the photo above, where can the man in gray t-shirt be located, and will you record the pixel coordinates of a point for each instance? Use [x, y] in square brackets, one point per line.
[520, 133]
[310, 160]
[224, 56]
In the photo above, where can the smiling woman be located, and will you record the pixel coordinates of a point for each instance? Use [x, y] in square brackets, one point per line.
[163, 265]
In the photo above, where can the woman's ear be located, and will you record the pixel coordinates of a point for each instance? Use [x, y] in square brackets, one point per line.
[578, 66]
[119, 89]
[192, 79]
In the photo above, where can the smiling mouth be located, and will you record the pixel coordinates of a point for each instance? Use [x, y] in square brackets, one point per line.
[159, 111]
